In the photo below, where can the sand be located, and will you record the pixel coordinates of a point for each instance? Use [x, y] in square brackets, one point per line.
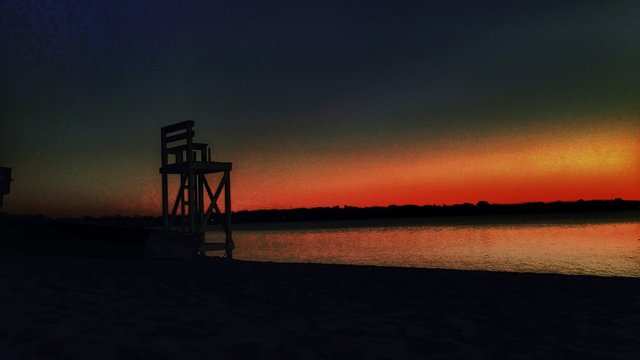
[105, 308]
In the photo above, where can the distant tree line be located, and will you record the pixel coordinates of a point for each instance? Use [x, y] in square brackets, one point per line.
[383, 212]
[410, 211]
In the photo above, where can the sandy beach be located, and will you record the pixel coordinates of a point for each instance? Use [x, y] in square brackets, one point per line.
[103, 308]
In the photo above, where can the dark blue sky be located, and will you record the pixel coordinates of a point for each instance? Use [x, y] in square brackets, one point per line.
[85, 85]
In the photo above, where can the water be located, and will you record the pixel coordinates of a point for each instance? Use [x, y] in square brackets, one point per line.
[606, 249]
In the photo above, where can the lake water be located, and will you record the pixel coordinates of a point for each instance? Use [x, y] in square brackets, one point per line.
[595, 248]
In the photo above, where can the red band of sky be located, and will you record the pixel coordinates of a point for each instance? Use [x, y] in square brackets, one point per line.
[600, 161]
[596, 163]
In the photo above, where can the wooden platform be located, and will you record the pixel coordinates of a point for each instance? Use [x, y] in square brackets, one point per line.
[173, 244]
[178, 244]
[213, 247]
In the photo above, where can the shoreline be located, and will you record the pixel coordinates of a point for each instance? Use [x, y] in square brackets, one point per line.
[455, 213]
[63, 307]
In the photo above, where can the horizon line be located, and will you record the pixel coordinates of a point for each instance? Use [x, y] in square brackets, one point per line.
[337, 206]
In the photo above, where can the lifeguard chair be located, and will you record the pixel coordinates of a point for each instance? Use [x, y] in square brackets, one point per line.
[5, 182]
[191, 162]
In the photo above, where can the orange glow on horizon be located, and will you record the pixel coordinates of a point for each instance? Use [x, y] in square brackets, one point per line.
[593, 164]
[588, 164]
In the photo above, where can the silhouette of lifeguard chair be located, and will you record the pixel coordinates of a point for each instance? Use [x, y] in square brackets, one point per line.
[5, 182]
[191, 163]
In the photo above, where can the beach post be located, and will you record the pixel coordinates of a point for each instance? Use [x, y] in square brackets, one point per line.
[196, 204]
[5, 182]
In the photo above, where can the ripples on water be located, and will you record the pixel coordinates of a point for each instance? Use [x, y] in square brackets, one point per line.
[609, 249]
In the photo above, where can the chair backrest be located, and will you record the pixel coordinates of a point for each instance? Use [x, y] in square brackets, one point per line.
[180, 132]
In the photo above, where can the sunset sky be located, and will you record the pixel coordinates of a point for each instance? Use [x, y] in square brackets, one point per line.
[321, 103]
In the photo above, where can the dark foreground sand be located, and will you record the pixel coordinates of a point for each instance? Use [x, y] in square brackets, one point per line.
[90, 308]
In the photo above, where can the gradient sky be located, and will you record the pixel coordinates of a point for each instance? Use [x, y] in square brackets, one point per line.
[321, 103]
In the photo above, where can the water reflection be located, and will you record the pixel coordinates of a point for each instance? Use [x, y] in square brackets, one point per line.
[598, 249]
